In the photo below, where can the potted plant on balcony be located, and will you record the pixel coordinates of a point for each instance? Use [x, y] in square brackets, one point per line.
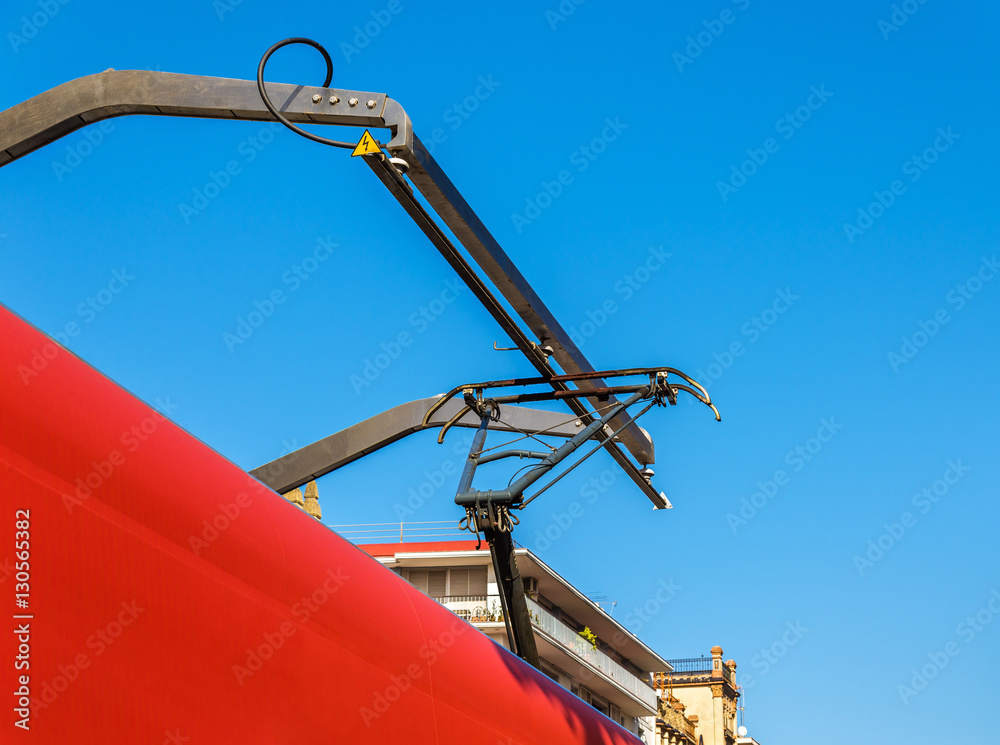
[482, 614]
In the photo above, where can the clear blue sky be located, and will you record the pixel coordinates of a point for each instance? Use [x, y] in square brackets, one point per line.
[847, 112]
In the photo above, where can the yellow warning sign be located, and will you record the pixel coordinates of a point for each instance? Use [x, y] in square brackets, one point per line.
[366, 145]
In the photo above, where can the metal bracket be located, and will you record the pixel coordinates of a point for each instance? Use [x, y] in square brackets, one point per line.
[346, 446]
[60, 111]
[64, 109]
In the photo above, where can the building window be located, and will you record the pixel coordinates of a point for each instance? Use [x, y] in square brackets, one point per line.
[444, 583]
[616, 714]
[467, 582]
[430, 582]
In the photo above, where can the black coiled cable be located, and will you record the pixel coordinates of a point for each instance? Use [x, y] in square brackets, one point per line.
[326, 83]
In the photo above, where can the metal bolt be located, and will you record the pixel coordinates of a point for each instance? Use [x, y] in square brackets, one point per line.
[317, 98]
[371, 103]
[333, 100]
[353, 102]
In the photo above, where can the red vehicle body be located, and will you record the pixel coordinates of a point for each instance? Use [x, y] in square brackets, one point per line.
[172, 598]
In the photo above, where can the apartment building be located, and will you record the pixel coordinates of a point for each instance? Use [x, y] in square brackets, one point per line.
[580, 646]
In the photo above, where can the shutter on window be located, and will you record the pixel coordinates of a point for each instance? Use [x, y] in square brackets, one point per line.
[436, 580]
[418, 578]
[459, 582]
[477, 581]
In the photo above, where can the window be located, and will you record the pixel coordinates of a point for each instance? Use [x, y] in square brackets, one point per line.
[616, 714]
[431, 582]
[470, 581]
[456, 582]
[553, 672]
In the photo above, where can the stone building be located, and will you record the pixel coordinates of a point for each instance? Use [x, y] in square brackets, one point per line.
[698, 701]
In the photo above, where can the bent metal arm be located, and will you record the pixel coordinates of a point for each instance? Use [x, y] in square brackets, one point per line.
[60, 111]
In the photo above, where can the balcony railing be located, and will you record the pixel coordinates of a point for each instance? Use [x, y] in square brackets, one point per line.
[486, 609]
[580, 647]
[692, 665]
[474, 608]
[678, 721]
[363, 533]
[697, 668]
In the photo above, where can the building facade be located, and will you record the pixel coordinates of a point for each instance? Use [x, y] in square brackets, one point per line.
[698, 701]
[580, 646]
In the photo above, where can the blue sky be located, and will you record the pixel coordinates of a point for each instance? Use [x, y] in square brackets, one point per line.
[819, 184]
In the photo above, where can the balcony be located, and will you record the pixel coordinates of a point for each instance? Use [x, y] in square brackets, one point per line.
[697, 670]
[676, 720]
[570, 640]
[482, 609]
[474, 608]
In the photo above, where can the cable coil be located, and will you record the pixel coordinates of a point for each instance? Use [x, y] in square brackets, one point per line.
[326, 84]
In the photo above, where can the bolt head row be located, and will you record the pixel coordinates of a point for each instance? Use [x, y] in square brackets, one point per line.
[371, 103]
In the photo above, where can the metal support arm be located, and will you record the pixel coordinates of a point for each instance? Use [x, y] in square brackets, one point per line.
[68, 107]
[64, 109]
[346, 446]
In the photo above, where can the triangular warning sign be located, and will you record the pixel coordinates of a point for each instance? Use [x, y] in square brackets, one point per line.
[366, 145]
